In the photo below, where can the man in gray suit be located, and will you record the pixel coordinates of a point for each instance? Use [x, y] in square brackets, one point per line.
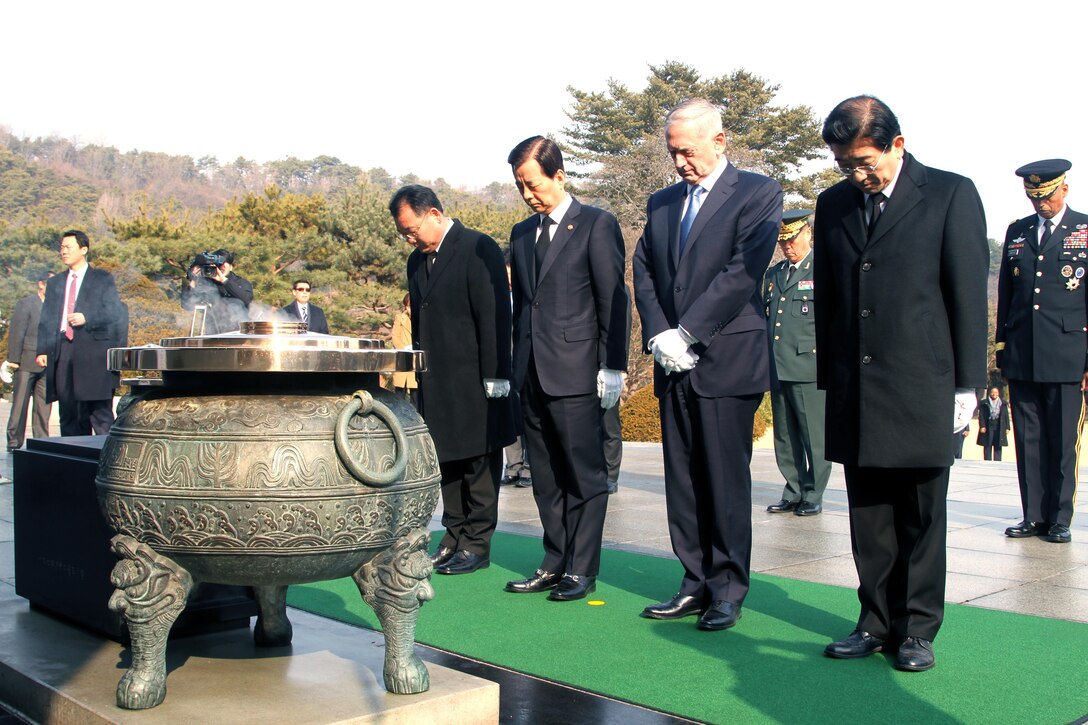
[789, 297]
[29, 376]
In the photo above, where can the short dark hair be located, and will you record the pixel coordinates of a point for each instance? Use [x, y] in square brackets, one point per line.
[226, 254]
[81, 238]
[44, 276]
[306, 282]
[542, 150]
[861, 117]
[419, 199]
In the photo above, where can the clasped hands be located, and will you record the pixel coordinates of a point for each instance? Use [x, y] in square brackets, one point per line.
[673, 352]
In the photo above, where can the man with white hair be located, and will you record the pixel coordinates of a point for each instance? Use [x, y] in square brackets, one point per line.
[698, 270]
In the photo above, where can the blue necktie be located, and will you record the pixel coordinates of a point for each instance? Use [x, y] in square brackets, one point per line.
[696, 201]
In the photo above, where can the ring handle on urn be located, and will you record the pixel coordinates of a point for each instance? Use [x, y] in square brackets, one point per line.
[363, 403]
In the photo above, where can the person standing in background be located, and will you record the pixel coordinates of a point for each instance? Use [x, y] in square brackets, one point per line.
[404, 383]
[993, 426]
[82, 317]
[28, 376]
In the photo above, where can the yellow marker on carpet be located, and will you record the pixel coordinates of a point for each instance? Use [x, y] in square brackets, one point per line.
[595, 603]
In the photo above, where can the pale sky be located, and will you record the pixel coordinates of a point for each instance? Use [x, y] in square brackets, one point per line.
[445, 89]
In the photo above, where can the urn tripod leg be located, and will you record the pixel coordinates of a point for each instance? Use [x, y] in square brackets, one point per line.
[151, 592]
[395, 583]
[273, 629]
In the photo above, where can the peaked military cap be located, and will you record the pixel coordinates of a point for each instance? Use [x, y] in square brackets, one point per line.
[793, 221]
[1041, 178]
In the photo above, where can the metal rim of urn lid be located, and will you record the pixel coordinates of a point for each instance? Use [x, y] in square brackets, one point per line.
[267, 346]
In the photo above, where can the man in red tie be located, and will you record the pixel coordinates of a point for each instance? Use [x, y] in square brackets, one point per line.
[82, 317]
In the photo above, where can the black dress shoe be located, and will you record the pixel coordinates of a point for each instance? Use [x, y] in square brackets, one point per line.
[782, 507]
[572, 586]
[508, 480]
[542, 581]
[1057, 534]
[613, 486]
[441, 555]
[807, 508]
[464, 562]
[858, 644]
[682, 605]
[720, 615]
[525, 482]
[915, 655]
[1024, 529]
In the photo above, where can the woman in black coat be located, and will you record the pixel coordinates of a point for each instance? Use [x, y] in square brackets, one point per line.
[993, 425]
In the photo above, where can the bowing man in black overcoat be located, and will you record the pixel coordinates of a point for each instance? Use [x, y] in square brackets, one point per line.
[460, 301]
[901, 261]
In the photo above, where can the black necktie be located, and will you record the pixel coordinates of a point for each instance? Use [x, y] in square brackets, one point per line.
[431, 256]
[789, 273]
[543, 241]
[875, 201]
[1048, 227]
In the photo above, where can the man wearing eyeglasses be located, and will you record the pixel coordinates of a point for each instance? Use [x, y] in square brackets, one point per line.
[901, 261]
[1042, 317]
[302, 310]
[789, 297]
[460, 301]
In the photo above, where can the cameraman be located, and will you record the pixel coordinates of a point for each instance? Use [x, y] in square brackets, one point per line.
[212, 282]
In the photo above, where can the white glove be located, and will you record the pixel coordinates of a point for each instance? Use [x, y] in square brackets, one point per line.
[672, 351]
[495, 388]
[680, 365]
[6, 370]
[966, 402]
[609, 387]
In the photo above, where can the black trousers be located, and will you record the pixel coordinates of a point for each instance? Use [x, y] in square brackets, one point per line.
[565, 441]
[707, 446]
[78, 417]
[898, 529]
[470, 501]
[1047, 420]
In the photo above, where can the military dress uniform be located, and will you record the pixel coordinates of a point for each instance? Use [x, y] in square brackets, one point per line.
[797, 406]
[1042, 343]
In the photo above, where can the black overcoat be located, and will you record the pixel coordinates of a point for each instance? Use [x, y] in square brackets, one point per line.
[902, 317]
[461, 320]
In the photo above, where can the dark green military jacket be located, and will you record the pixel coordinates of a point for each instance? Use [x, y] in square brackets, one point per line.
[791, 315]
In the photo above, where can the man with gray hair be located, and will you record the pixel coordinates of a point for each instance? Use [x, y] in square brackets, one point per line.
[698, 270]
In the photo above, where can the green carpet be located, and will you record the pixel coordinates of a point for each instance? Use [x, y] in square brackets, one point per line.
[770, 668]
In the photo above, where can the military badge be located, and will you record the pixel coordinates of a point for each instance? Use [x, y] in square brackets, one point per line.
[804, 309]
[770, 286]
[1019, 241]
[1067, 271]
[1072, 284]
[1015, 271]
[806, 284]
[1079, 273]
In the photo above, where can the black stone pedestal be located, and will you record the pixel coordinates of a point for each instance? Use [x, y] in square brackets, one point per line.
[62, 545]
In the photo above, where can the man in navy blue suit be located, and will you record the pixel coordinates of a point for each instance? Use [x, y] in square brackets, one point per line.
[570, 351]
[698, 270]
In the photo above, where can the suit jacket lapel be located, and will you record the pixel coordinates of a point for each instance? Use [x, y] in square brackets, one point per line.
[715, 199]
[907, 195]
[560, 236]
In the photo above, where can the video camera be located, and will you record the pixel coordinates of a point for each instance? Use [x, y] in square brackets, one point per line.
[209, 261]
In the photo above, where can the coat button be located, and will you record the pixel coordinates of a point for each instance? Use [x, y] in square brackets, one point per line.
[1038, 274]
[779, 324]
[777, 337]
[865, 313]
[1037, 290]
[866, 360]
[536, 305]
[678, 289]
[865, 267]
[1040, 258]
[1035, 306]
[781, 299]
[780, 312]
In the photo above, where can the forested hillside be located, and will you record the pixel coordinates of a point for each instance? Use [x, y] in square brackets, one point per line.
[149, 214]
